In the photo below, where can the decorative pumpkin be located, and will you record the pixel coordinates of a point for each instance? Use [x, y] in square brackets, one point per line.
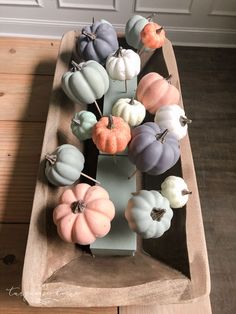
[152, 149]
[176, 191]
[130, 110]
[64, 165]
[155, 91]
[149, 214]
[82, 124]
[86, 82]
[97, 41]
[123, 65]
[84, 214]
[111, 134]
[153, 35]
[133, 28]
[172, 117]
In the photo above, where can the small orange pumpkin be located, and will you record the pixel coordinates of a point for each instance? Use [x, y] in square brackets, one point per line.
[155, 91]
[84, 214]
[111, 134]
[153, 35]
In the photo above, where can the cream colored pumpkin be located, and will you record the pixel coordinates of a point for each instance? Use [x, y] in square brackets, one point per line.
[130, 110]
[176, 191]
[123, 65]
[173, 118]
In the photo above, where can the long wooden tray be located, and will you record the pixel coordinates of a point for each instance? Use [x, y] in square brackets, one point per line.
[58, 274]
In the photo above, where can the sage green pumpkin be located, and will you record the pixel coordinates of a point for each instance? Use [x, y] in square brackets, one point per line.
[64, 165]
[82, 124]
[133, 28]
[149, 214]
[86, 82]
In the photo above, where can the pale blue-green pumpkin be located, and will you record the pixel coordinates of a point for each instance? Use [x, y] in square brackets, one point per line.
[86, 82]
[64, 165]
[149, 214]
[133, 28]
[82, 124]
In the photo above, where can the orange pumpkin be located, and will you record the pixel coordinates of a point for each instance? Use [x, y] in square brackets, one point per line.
[154, 91]
[153, 36]
[84, 214]
[111, 134]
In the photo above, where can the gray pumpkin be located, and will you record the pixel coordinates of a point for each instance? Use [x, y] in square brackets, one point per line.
[64, 165]
[97, 41]
[149, 214]
[153, 150]
[133, 28]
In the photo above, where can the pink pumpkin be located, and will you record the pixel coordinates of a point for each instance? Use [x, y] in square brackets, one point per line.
[84, 214]
[154, 91]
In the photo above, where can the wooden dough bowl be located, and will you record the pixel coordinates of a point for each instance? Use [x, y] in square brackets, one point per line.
[58, 274]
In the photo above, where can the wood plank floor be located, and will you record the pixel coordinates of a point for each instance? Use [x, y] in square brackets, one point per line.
[26, 74]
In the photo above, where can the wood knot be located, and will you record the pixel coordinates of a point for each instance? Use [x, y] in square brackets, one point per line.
[2, 94]
[12, 50]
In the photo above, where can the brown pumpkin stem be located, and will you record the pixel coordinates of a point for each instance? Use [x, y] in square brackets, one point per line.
[161, 136]
[186, 192]
[159, 30]
[77, 207]
[110, 122]
[90, 36]
[118, 52]
[150, 17]
[76, 66]
[76, 121]
[131, 101]
[168, 78]
[157, 213]
[184, 120]
[51, 158]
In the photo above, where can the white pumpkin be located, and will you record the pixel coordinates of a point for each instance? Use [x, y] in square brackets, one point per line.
[123, 65]
[130, 110]
[176, 191]
[172, 117]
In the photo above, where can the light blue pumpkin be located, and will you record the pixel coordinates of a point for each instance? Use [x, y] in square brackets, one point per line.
[133, 28]
[82, 124]
[64, 165]
[149, 214]
[87, 82]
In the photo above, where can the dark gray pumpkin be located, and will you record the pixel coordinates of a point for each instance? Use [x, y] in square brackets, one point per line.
[153, 150]
[97, 41]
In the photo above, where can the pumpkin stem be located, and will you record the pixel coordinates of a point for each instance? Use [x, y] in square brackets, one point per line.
[159, 30]
[90, 36]
[98, 109]
[110, 122]
[150, 17]
[184, 120]
[90, 178]
[51, 158]
[77, 207]
[186, 192]
[76, 66]
[131, 101]
[161, 136]
[157, 213]
[168, 78]
[132, 174]
[118, 52]
[76, 121]
[93, 20]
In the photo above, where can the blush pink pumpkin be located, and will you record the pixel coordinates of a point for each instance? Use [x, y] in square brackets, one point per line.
[154, 91]
[84, 214]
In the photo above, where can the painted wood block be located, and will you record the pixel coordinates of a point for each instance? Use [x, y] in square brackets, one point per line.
[113, 172]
